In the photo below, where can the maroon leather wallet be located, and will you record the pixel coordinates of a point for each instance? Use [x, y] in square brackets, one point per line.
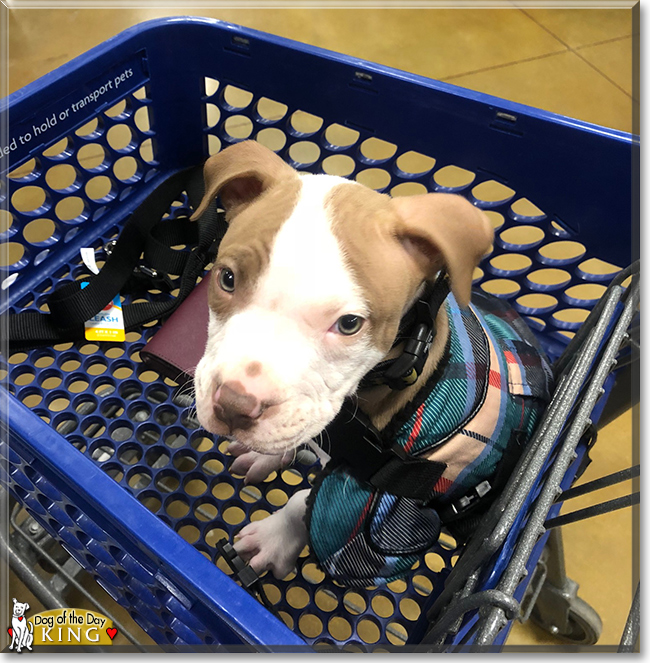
[177, 347]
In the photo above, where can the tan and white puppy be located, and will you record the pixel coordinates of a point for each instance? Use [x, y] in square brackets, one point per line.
[306, 296]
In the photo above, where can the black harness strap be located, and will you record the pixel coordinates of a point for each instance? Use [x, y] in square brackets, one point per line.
[353, 440]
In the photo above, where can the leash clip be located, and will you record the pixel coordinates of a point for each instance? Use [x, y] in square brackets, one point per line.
[147, 271]
[143, 274]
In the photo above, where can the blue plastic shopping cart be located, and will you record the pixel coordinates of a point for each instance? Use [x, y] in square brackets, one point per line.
[107, 457]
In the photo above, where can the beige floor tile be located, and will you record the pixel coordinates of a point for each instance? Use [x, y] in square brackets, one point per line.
[561, 83]
[437, 43]
[42, 40]
[432, 42]
[614, 60]
[422, 41]
[579, 27]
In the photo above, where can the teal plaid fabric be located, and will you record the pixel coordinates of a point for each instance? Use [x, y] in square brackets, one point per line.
[474, 415]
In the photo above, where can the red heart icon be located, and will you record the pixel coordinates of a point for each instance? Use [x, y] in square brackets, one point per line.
[112, 632]
[11, 632]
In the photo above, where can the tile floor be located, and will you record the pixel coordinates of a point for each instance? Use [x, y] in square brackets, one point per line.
[576, 62]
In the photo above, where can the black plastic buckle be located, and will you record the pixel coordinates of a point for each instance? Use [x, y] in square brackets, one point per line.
[406, 369]
[408, 366]
[242, 571]
[461, 505]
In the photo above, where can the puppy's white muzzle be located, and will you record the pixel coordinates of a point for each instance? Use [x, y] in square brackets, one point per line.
[263, 382]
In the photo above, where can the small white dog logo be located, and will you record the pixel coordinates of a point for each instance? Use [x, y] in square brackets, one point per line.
[21, 631]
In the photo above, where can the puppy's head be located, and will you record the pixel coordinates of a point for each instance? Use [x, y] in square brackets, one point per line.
[308, 289]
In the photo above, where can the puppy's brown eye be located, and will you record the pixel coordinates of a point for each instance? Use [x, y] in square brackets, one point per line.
[349, 324]
[226, 279]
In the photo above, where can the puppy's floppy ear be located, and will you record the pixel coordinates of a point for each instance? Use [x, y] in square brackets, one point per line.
[26, 607]
[239, 174]
[444, 230]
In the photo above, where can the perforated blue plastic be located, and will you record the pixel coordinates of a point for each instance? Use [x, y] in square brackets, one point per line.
[107, 455]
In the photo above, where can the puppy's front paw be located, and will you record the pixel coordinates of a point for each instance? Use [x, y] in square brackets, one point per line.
[267, 547]
[274, 544]
[254, 466]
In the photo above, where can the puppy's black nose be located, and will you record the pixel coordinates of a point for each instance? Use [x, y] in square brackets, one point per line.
[235, 406]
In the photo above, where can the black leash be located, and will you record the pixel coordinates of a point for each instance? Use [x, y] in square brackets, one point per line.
[144, 233]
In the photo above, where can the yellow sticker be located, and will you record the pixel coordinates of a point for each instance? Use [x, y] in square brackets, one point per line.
[108, 324]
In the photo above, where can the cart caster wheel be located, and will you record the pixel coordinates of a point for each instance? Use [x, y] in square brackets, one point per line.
[583, 625]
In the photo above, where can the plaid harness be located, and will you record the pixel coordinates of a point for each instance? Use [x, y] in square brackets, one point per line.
[473, 417]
